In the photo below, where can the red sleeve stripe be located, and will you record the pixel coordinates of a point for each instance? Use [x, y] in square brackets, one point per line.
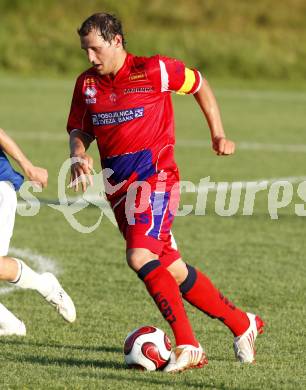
[198, 82]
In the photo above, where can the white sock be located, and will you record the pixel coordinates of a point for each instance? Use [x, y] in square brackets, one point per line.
[28, 278]
[18, 272]
[7, 318]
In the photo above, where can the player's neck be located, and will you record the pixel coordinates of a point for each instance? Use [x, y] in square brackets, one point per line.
[119, 63]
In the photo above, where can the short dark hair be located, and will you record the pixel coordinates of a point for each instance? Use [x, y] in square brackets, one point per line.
[108, 25]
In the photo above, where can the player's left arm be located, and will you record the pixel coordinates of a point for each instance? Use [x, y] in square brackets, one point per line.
[209, 106]
[36, 174]
[176, 77]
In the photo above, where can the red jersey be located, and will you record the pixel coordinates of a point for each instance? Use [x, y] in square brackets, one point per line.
[131, 115]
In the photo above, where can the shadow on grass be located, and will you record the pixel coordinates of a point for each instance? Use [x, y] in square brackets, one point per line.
[122, 372]
[92, 348]
[59, 361]
[152, 379]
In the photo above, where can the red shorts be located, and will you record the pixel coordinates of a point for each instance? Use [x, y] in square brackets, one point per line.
[146, 221]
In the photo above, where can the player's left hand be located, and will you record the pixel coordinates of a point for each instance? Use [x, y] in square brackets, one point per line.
[223, 146]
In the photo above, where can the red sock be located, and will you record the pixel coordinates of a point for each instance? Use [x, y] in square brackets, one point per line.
[198, 290]
[164, 290]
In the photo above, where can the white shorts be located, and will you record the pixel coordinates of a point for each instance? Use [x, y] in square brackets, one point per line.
[8, 204]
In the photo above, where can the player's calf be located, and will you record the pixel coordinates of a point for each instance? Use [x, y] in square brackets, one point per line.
[165, 292]
[8, 268]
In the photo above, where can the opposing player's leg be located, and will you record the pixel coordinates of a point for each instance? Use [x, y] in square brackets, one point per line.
[198, 290]
[16, 271]
[9, 323]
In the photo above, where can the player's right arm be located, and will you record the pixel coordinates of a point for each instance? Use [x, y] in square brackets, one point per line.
[80, 131]
[36, 174]
[81, 162]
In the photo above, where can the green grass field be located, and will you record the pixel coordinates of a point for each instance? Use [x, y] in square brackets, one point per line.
[257, 262]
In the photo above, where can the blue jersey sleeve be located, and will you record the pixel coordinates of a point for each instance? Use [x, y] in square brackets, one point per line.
[7, 173]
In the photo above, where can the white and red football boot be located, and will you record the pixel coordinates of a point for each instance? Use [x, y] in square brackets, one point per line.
[185, 357]
[244, 345]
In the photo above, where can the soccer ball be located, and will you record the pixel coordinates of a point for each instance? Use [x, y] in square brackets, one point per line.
[147, 348]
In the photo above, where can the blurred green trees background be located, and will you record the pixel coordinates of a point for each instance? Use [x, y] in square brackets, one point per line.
[223, 38]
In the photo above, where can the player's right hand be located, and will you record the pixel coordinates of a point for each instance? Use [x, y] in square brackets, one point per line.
[81, 172]
[37, 175]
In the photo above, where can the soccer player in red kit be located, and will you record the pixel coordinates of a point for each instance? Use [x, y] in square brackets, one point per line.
[124, 103]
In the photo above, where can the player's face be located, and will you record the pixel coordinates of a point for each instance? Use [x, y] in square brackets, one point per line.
[101, 54]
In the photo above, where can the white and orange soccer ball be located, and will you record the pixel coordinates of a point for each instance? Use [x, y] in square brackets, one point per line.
[147, 348]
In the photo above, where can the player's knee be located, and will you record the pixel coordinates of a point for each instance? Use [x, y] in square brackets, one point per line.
[138, 257]
[179, 271]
